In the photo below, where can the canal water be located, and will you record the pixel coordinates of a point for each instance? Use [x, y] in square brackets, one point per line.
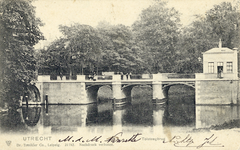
[179, 114]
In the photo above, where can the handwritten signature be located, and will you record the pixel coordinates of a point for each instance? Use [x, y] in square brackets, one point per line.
[177, 141]
[117, 138]
[188, 141]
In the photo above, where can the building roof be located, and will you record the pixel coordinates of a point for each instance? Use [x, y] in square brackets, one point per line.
[219, 50]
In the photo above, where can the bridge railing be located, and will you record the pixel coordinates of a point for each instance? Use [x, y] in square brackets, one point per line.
[141, 76]
[64, 77]
[98, 77]
[162, 76]
[180, 76]
[104, 77]
[121, 77]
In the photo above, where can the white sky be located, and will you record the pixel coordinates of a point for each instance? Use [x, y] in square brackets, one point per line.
[90, 12]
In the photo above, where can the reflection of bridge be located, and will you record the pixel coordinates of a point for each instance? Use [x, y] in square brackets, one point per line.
[83, 91]
[51, 119]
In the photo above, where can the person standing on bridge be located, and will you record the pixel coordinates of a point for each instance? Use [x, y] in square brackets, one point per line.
[94, 76]
[61, 75]
[121, 75]
[129, 76]
[125, 77]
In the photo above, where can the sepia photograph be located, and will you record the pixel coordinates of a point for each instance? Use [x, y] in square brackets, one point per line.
[120, 74]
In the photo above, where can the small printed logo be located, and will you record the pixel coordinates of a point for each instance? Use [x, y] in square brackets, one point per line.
[8, 143]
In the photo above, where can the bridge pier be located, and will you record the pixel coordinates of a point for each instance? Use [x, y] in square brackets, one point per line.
[158, 93]
[117, 91]
[119, 97]
[157, 86]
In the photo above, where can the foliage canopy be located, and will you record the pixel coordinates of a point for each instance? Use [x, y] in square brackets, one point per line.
[19, 30]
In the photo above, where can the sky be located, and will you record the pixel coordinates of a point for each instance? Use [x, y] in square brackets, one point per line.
[66, 12]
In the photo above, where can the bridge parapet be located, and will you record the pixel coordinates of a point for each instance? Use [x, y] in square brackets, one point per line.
[227, 76]
[80, 77]
[180, 76]
[42, 78]
[159, 77]
[116, 77]
[47, 78]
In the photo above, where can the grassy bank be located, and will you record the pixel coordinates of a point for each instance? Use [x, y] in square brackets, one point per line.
[227, 125]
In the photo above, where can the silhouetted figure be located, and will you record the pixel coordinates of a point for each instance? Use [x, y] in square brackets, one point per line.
[129, 76]
[94, 76]
[121, 75]
[61, 75]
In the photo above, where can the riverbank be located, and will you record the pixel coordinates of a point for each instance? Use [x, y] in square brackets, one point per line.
[227, 125]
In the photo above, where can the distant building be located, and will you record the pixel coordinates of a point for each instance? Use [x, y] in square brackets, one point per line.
[219, 82]
[220, 62]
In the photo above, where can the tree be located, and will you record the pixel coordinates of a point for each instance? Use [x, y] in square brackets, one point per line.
[54, 59]
[192, 42]
[157, 34]
[118, 52]
[224, 20]
[83, 45]
[220, 22]
[19, 30]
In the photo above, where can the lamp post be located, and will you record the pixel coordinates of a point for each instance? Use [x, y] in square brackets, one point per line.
[200, 64]
[66, 44]
[200, 59]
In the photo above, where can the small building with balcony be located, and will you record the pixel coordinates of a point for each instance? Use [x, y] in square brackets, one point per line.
[220, 63]
[219, 82]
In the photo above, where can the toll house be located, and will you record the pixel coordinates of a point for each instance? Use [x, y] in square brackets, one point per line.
[220, 62]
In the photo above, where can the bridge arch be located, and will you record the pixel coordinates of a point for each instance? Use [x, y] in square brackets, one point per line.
[166, 88]
[92, 92]
[127, 89]
[32, 95]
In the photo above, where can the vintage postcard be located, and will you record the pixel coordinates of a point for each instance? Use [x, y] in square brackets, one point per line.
[120, 74]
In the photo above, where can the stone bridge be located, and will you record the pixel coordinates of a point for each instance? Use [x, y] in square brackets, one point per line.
[85, 91]
[82, 90]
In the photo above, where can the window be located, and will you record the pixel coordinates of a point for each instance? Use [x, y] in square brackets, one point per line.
[210, 67]
[229, 67]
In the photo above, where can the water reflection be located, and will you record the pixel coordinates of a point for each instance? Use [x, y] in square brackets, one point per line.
[118, 121]
[139, 113]
[158, 118]
[158, 114]
[207, 116]
[179, 115]
[69, 117]
[31, 114]
[180, 108]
